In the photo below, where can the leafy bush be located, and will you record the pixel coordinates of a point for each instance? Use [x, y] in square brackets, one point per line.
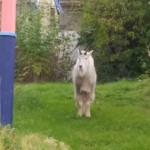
[119, 32]
[10, 141]
[40, 53]
[35, 142]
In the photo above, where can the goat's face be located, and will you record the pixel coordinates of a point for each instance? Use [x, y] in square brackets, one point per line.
[83, 62]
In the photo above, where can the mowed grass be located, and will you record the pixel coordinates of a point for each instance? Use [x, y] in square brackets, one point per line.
[120, 115]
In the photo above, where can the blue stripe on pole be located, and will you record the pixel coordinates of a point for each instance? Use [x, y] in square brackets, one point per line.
[7, 57]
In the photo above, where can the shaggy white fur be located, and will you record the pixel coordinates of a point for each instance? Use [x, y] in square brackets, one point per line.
[84, 80]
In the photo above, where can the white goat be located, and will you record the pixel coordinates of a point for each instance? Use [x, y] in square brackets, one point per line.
[84, 80]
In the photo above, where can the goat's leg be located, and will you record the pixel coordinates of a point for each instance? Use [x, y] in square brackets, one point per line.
[87, 108]
[80, 106]
[83, 108]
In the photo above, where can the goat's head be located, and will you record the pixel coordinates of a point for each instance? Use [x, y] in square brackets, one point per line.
[83, 62]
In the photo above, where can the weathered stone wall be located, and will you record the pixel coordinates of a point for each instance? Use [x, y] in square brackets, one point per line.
[70, 23]
[70, 2]
[70, 19]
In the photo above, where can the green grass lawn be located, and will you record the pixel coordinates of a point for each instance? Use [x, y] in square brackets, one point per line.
[120, 115]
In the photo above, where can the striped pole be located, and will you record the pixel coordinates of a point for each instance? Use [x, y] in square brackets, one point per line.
[7, 57]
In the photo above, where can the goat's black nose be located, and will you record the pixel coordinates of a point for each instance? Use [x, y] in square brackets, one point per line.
[80, 66]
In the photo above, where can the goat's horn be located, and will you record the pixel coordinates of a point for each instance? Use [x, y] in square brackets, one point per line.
[85, 53]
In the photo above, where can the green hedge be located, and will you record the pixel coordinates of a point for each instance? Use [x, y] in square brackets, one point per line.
[119, 32]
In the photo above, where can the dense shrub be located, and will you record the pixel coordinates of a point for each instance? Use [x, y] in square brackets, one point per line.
[9, 140]
[119, 32]
[40, 53]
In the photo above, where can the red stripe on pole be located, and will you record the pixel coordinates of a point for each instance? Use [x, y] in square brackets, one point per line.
[8, 22]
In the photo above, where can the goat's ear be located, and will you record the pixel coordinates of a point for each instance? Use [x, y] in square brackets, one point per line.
[90, 52]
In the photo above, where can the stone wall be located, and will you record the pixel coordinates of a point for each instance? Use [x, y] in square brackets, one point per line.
[65, 3]
[70, 19]
[70, 23]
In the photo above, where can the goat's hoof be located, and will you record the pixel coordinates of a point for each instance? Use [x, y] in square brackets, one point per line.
[79, 115]
[88, 115]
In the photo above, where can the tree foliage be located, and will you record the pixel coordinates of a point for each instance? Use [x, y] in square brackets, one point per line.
[119, 32]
